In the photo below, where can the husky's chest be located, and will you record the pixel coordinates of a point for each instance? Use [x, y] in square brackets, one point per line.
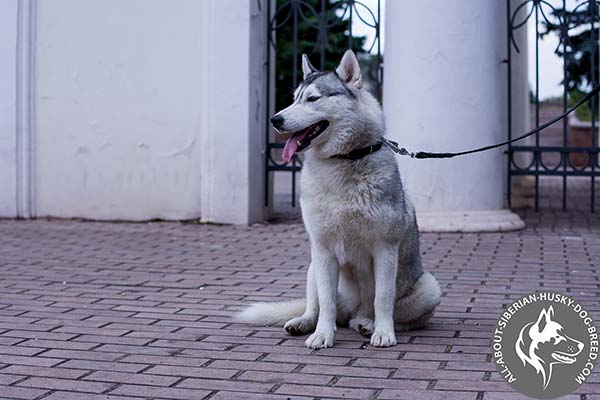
[346, 210]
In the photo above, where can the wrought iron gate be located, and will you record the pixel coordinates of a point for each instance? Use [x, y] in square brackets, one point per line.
[307, 26]
[577, 30]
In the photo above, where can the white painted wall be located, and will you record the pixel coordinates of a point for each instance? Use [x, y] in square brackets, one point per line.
[118, 109]
[8, 108]
[445, 90]
[132, 110]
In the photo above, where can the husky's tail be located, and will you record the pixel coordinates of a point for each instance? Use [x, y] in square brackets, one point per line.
[272, 313]
[414, 310]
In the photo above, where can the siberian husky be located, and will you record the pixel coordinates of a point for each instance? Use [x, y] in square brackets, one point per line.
[365, 268]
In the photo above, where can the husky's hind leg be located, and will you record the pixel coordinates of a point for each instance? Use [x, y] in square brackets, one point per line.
[414, 310]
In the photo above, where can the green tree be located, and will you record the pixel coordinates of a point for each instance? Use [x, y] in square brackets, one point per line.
[582, 43]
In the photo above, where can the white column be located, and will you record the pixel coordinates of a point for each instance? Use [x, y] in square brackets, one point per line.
[520, 89]
[234, 90]
[445, 91]
[8, 108]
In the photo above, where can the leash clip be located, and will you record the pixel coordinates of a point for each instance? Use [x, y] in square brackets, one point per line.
[390, 144]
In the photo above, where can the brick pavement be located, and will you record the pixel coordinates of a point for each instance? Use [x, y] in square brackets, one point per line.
[117, 311]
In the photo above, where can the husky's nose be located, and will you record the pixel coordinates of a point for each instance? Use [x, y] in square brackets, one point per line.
[277, 121]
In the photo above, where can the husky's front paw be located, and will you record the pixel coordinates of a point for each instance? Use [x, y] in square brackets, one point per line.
[383, 338]
[320, 340]
[299, 326]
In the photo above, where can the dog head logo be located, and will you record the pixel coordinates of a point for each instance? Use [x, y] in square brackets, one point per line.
[544, 343]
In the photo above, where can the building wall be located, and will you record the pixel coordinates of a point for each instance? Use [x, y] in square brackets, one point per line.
[132, 110]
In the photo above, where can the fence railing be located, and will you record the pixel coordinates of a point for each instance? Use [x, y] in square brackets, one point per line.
[576, 153]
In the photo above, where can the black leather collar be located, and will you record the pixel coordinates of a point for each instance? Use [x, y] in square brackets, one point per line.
[360, 153]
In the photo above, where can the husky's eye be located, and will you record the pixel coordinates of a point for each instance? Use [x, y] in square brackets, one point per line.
[313, 98]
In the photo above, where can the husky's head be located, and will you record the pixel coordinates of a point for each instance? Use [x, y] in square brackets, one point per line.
[331, 113]
[543, 343]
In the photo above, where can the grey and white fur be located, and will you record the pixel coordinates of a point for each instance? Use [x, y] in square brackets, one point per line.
[365, 268]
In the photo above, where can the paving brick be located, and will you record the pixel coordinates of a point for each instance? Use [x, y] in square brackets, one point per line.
[473, 385]
[347, 371]
[280, 377]
[165, 360]
[45, 372]
[325, 391]
[225, 395]
[27, 334]
[196, 372]
[33, 361]
[104, 365]
[232, 385]
[387, 363]
[81, 355]
[312, 359]
[379, 383]
[254, 365]
[95, 339]
[138, 379]
[20, 350]
[6, 380]
[15, 392]
[56, 344]
[409, 373]
[163, 393]
[60, 395]
[65, 384]
[395, 394]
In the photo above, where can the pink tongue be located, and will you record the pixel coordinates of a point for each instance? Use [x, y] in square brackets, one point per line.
[291, 145]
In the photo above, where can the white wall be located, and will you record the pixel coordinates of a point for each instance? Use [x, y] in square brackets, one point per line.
[118, 116]
[8, 108]
[445, 90]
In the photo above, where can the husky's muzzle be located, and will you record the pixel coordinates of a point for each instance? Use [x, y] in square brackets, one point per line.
[300, 140]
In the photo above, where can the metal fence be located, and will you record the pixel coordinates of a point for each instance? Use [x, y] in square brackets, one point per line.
[577, 30]
[297, 26]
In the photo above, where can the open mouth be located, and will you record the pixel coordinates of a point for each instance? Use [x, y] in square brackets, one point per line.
[301, 139]
[563, 358]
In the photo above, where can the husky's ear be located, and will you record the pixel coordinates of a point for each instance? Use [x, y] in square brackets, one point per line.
[349, 70]
[544, 318]
[307, 67]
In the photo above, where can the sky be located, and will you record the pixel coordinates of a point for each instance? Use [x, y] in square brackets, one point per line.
[360, 29]
[551, 67]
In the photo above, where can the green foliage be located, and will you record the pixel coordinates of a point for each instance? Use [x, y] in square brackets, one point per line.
[580, 46]
[583, 113]
[335, 43]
